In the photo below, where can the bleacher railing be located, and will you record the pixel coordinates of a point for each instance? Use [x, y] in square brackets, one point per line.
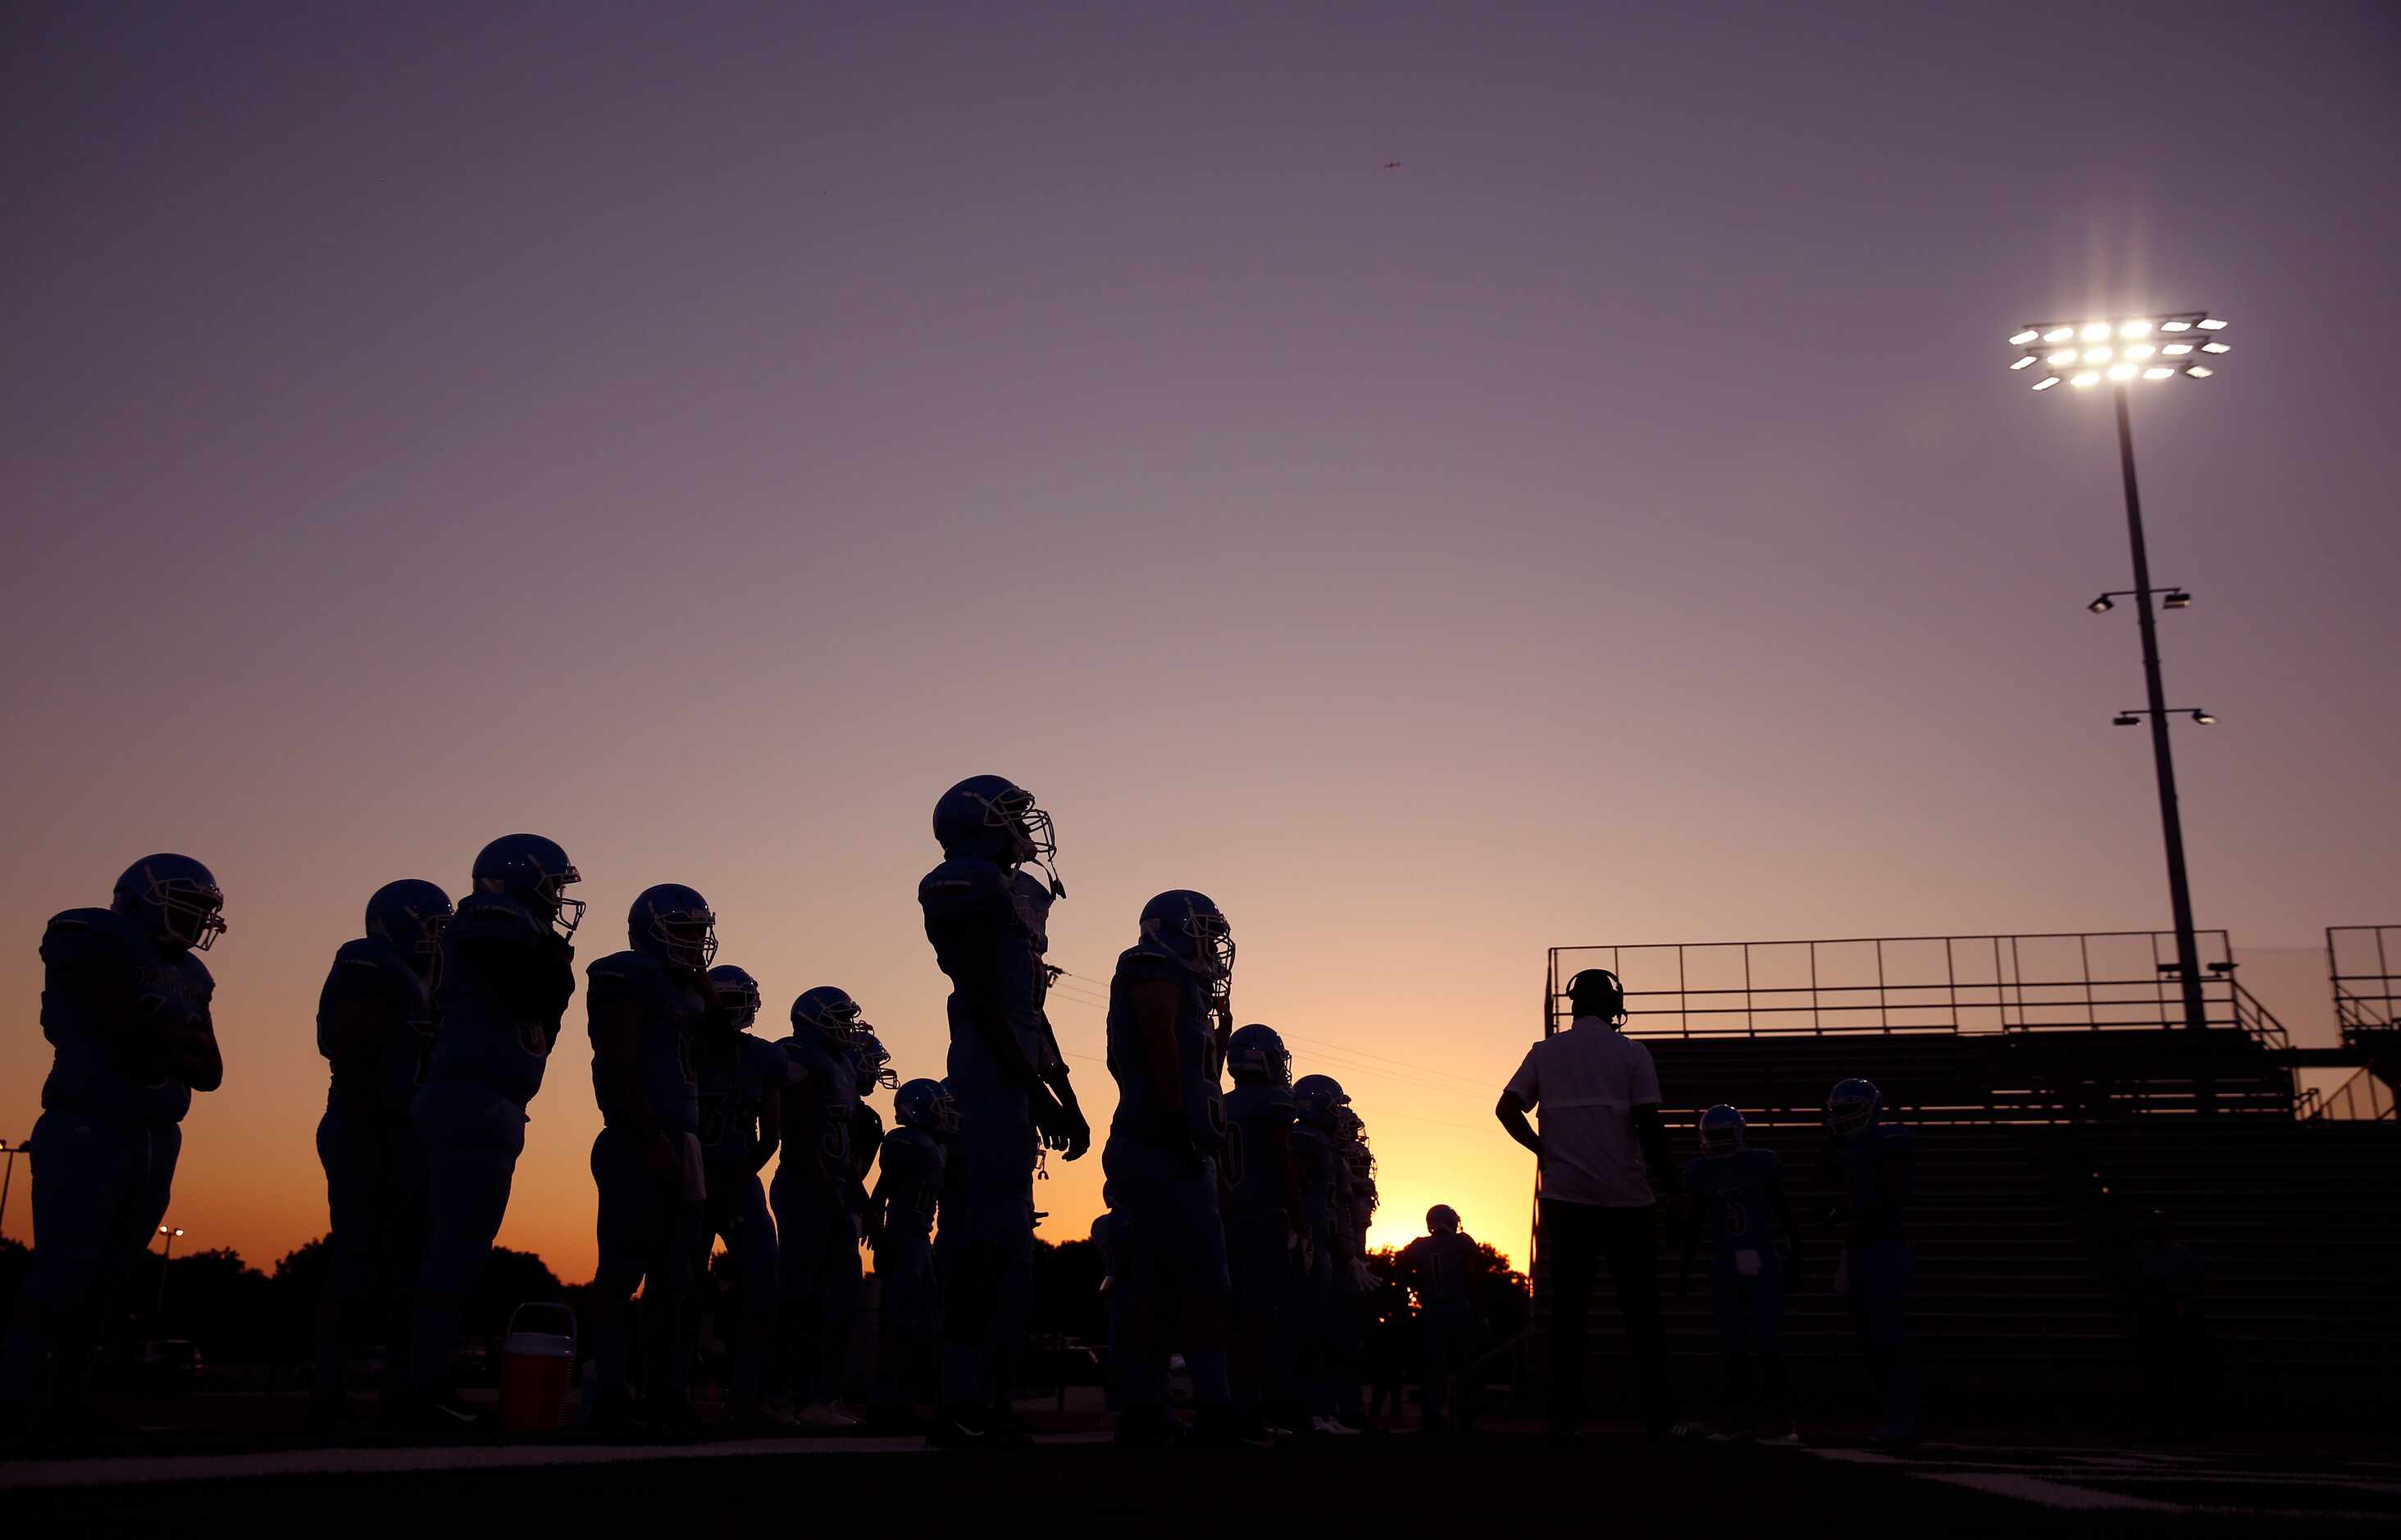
[2057, 981]
[2361, 1099]
[2363, 967]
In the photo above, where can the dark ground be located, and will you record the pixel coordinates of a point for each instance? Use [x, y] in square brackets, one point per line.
[2285, 1484]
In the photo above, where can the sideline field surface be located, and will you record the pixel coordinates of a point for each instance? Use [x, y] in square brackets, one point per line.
[1407, 1481]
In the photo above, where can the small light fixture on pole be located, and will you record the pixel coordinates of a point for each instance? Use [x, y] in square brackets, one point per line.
[12, 1149]
[158, 1311]
[2154, 349]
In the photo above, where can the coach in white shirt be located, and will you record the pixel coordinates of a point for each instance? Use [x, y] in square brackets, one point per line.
[1600, 1102]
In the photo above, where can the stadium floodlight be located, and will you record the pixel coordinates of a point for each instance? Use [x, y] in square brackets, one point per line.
[2026, 361]
[2083, 368]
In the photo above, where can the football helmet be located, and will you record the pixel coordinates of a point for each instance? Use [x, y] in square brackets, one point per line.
[1852, 1107]
[409, 916]
[1189, 927]
[993, 818]
[1721, 1130]
[1255, 1056]
[1442, 1219]
[674, 924]
[175, 898]
[533, 871]
[1596, 991]
[831, 1015]
[737, 992]
[872, 1062]
[1317, 1097]
[927, 1105]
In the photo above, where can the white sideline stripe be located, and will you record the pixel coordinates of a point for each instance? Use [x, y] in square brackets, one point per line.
[2050, 1495]
[146, 1469]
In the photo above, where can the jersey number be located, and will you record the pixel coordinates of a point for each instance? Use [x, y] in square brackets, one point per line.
[1233, 1160]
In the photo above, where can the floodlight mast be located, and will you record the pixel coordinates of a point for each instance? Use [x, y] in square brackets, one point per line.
[2180, 330]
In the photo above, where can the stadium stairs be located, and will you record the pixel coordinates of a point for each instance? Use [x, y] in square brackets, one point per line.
[2036, 1150]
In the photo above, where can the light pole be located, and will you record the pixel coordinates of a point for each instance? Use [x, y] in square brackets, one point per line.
[8, 1171]
[158, 1311]
[2153, 348]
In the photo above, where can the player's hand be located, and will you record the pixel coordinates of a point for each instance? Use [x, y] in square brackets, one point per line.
[1079, 1133]
[1051, 1124]
[661, 1156]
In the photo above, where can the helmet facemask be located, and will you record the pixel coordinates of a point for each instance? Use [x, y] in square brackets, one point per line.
[565, 914]
[687, 937]
[1849, 1116]
[188, 912]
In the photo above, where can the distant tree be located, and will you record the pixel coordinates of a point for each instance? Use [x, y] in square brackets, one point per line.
[215, 1299]
[510, 1279]
[16, 1261]
[1067, 1290]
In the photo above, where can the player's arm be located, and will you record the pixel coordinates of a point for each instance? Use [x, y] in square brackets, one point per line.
[1078, 1130]
[771, 1131]
[191, 1047]
[1691, 1225]
[1153, 1003]
[1296, 1202]
[616, 1025]
[1779, 1210]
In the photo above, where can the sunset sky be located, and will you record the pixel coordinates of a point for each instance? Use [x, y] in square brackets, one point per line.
[701, 434]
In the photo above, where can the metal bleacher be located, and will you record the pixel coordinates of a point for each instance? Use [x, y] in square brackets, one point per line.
[2058, 1093]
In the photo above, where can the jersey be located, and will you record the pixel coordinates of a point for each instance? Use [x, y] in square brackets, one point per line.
[1878, 1168]
[1142, 1119]
[107, 987]
[1735, 1199]
[817, 1101]
[1318, 1170]
[1256, 1161]
[506, 979]
[1438, 1267]
[673, 1014]
[912, 1162]
[381, 1080]
[736, 1077]
[990, 926]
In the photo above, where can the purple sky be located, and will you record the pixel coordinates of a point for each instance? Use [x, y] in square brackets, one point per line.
[702, 433]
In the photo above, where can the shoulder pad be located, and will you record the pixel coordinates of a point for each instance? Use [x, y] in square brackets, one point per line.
[1692, 1169]
[622, 964]
[489, 914]
[1768, 1161]
[1144, 962]
[79, 934]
